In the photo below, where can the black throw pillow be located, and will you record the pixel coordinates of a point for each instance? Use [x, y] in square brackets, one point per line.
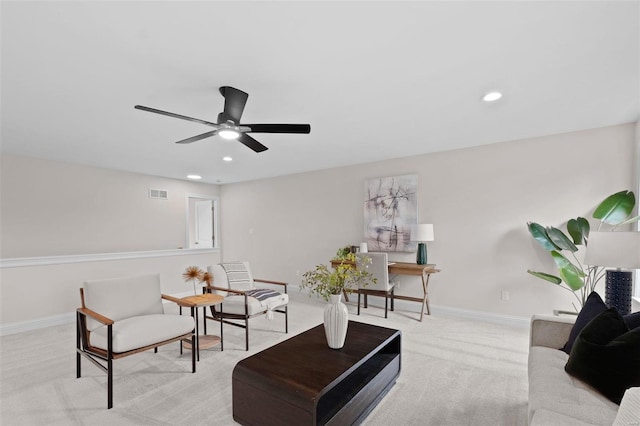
[606, 355]
[632, 320]
[593, 307]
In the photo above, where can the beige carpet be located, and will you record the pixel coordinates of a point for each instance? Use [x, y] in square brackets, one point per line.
[454, 372]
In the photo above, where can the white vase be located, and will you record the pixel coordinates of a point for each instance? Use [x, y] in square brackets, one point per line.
[336, 319]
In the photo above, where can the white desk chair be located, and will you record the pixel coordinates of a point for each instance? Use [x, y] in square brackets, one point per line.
[382, 287]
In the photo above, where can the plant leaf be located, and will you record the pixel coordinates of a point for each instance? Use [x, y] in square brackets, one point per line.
[547, 277]
[560, 240]
[630, 220]
[538, 232]
[579, 230]
[615, 208]
[569, 273]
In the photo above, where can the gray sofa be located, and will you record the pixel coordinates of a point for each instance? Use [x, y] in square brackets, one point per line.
[558, 399]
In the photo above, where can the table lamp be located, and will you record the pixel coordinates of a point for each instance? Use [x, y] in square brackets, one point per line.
[422, 232]
[619, 250]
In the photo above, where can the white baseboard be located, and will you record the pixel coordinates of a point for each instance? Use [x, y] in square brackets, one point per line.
[509, 320]
[36, 324]
[403, 305]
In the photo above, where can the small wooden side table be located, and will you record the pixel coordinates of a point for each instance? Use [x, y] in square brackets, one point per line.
[203, 301]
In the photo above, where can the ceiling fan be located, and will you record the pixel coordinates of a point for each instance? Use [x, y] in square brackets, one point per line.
[229, 126]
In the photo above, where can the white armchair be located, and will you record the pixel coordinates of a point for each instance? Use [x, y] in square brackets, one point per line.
[379, 268]
[125, 316]
[242, 299]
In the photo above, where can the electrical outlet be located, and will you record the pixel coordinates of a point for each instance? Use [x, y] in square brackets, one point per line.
[297, 272]
[504, 295]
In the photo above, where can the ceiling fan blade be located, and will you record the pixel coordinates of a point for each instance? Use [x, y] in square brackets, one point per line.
[278, 128]
[251, 143]
[199, 137]
[234, 102]
[171, 114]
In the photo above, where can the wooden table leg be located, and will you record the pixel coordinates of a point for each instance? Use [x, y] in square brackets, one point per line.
[425, 300]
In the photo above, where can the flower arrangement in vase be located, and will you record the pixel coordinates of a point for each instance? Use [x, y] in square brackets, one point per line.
[330, 284]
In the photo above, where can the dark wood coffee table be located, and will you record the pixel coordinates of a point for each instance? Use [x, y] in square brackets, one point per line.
[301, 381]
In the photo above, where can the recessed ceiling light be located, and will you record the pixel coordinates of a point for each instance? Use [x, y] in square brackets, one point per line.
[194, 177]
[492, 96]
[227, 158]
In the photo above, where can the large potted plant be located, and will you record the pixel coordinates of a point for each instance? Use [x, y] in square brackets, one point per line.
[330, 284]
[572, 275]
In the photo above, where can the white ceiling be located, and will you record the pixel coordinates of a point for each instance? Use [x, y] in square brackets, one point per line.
[375, 80]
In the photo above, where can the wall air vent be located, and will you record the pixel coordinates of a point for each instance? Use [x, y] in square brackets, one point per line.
[159, 194]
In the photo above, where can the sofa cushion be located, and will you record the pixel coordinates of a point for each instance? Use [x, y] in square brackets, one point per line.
[606, 355]
[593, 307]
[551, 388]
[137, 332]
[120, 298]
[629, 412]
[632, 320]
[543, 417]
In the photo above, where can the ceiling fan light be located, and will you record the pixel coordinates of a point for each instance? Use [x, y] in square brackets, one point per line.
[492, 96]
[229, 133]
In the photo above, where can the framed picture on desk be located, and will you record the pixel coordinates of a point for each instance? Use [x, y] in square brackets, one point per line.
[390, 208]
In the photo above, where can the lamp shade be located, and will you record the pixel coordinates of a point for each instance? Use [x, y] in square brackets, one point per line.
[422, 232]
[614, 249]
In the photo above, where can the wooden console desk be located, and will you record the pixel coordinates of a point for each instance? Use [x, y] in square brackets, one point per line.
[407, 268]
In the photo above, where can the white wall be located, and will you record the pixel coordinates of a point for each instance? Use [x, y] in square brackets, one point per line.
[54, 216]
[51, 292]
[51, 208]
[478, 199]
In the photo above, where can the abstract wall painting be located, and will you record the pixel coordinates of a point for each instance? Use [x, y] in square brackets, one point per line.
[390, 208]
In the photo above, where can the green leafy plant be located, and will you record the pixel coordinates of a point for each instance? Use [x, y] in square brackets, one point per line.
[343, 253]
[344, 276]
[580, 279]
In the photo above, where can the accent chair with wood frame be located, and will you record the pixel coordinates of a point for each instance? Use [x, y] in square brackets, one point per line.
[379, 268]
[242, 299]
[124, 316]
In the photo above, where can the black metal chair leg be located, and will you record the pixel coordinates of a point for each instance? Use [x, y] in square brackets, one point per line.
[358, 303]
[286, 319]
[246, 329]
[78, 363]
[392, 298]
[386, 303]
[193, 353]
[109, 367]
[204, 318]
[221, 336]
